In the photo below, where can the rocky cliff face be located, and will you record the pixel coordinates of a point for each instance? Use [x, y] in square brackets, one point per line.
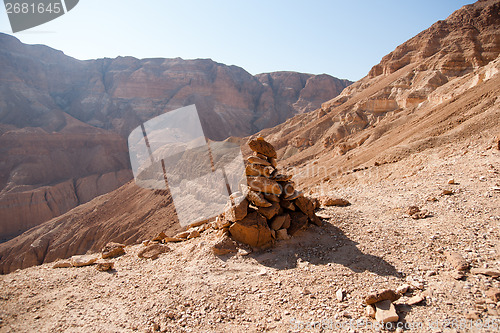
[63, 122]
[423, 75]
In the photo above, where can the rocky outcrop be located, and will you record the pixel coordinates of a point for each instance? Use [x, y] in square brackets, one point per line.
[425, 88]
[43, 175]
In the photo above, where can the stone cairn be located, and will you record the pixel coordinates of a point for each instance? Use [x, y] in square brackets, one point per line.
[268, 208]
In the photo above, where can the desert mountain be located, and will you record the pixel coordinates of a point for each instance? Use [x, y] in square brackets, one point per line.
[64, 122]
[439, 88]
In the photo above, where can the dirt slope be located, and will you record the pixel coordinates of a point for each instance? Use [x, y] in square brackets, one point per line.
[370, 245]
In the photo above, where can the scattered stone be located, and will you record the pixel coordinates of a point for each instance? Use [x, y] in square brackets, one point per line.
[83, 260]
[413, 210]
[62, 264]
[258, 160]
[456, 261]
[340, 295]
[432, 199]
[112, 250]
[193, 234]
[494, 294]
[182, 235]
[252, 230]
[387, 294]
[420, 215]
[473, 315]
[457, 275]
[370, 311]
[105, 266]
[447, 192]
[415, 300]
[486, 271]
[235, 212]
[330, 201]
[402, 289]
[451, 181]
[385, 312]
[152, 251]
[225, 245]
[263, 147]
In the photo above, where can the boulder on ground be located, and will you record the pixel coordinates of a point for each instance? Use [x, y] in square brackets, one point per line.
[83, 260]
[105, 266]
[387, 294]
[152, 251]
[331, 201]
[112, 250]
[385, 312]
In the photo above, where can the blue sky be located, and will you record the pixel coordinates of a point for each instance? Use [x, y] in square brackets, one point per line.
[341, 38]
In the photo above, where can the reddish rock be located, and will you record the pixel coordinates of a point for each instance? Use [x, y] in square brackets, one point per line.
[237, 212]
[287, 204]
[265, 185]
[305, 205]
[258, 199]
[258, 170]
[298, 221]
[279, 221]
[263, 147]
[252, 230]
[258, 161]
[269, 212]
[330, 201]
[387, 294]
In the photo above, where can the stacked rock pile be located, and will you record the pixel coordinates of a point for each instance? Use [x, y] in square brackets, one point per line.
[268, 208]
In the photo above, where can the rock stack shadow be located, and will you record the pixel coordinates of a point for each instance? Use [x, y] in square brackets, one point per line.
[269, 210]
